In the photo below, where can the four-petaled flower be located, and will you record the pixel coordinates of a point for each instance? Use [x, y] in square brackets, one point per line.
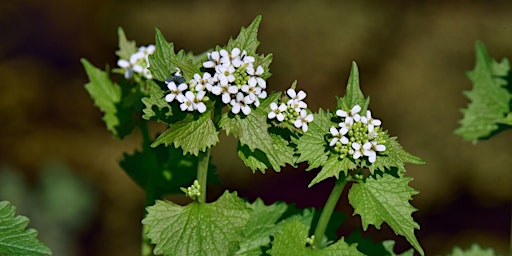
[303, 119]
[371, 122]
[175, 90]
[351, 116]
[277, 111]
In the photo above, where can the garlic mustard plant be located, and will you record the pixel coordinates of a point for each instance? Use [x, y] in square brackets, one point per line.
[196, 97]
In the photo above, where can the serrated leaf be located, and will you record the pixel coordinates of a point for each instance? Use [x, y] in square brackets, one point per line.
[395, 157]
[160, 170]
[311, 145]
[332, 168]
[164, 61]
[389, 246]
[107, 96]
[367, 246]
[475, 250]
[126, 48]
[291, 240]
[258, 148]
[489, 97]
[259, 228]
[198, 228]
[156, 108]
[386, 199]
[353, 95]
[15, 239]
[247, 38]
[192, 134]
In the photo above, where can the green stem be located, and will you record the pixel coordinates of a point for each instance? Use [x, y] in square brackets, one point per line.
[327, 211]
[202, 174]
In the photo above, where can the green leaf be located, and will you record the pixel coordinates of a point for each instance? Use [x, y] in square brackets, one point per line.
[160, 170]
[368, 246]
[312, 145]
[192, 134]
[475, 250]
[15, 239]
[156, 108]
[395, 157]
[353, 95]
[107, 97]
[386, 199]
[259, 228]
[291, 240]
[164, 61]
[198, 228]
[258, 148]
[332, 168]
[389, 246]
[126, 48]
[247, 38]
[489, 98]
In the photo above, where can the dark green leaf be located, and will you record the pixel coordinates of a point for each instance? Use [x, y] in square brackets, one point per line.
[332, 168]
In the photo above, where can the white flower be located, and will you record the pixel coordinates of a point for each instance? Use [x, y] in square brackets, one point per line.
[225, 73]
[203, 82]
[187, 101]
[351, 116]
[227, 58]
[302, 120]
[225, 90]
[241, 103]
[296, 96]
[371, 149]
[198, 102]
[175, 90]
[256, 76]
[338, 135]
[371, 122]
[213, 60]
[277, 111]
[358, 150]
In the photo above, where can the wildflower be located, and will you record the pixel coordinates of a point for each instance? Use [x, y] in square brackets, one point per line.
[175, 90]
[338, 135]
[213, 60]
[277, 111]
[225, 90]
[371, 149]
[371, 122]
[138, 62]
[351, 116]
[256, 76]
[302, 120]
[241, 103]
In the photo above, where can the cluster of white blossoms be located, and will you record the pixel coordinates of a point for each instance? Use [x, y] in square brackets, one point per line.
[235, 79]
[293, 111]
[231, 76]
[357, 136]
[138, 62]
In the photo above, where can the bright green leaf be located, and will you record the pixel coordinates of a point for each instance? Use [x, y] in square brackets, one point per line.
[126, 48]
[107, 97]
[312, 145]
[156, 108]
[259, 228]
[164, 61]
[332, 168]
[475, 250]
[258, 148]
[386, 199]
[291, 240]
[247, 38]
[489, 98]
[15, 239]
[198, 228]
[353, 95]
[192, 134]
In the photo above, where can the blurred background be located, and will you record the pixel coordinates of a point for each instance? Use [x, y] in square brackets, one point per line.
[55, 152]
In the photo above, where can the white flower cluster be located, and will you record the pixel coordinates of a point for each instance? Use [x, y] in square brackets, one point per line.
[235, 79]
[229, 75]
[357, 136]
[294, 111]
[138, 62]
[191, 96]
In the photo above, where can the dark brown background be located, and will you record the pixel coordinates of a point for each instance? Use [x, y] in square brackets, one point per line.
[412, 56]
